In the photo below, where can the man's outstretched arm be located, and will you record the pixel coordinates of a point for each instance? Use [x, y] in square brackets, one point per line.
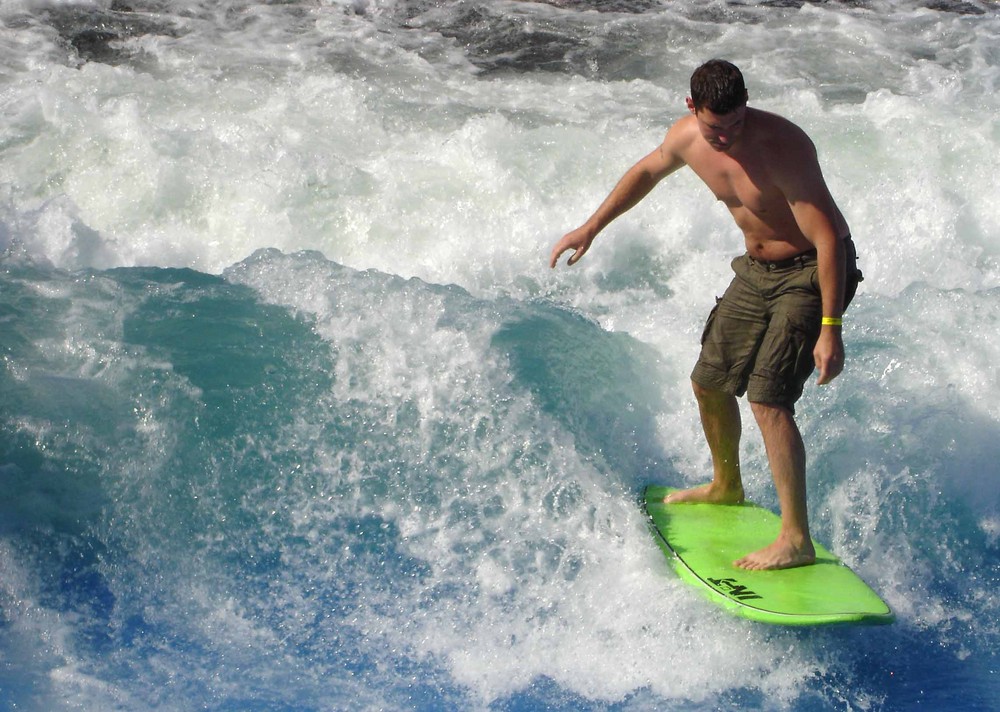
[635, 185]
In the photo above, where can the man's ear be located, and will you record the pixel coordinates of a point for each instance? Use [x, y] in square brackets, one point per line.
[690, 104]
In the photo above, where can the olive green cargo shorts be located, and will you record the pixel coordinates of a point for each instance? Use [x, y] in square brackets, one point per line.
[760, 336]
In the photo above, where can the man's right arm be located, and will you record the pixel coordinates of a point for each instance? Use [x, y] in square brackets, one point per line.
[635, 185]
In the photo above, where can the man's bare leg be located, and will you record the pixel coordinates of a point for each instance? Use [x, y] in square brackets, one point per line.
[720, 419]
[787, 457]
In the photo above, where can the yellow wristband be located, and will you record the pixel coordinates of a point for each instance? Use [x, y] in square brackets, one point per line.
[832, 321]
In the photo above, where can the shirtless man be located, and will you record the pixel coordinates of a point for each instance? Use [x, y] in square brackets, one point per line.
[781, 316]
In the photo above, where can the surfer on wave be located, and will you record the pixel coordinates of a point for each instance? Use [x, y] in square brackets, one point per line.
[781, 316]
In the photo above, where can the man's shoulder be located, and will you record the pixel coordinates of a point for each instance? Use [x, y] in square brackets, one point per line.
[681, 133]
[774, 129]
[684, 125]
[786, 149]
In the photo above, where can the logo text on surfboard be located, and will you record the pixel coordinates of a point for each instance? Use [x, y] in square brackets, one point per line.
[734, 588]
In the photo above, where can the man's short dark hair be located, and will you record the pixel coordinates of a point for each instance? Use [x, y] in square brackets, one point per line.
[718, 86]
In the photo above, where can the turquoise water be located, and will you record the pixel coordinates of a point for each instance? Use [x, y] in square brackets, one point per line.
[295, 416]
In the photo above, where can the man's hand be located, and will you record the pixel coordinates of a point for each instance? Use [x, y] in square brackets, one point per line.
[578, 240]
[829, 354]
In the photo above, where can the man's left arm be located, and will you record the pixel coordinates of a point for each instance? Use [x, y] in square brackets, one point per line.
[817, 216]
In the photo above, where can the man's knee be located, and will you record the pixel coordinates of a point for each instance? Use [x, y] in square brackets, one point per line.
[702, 393]
[707, 395]
[770, 412]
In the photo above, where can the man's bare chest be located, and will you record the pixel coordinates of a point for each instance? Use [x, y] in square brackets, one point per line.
[740, 185]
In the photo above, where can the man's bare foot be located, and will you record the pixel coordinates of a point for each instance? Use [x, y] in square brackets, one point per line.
[706, 494]
[779, 555]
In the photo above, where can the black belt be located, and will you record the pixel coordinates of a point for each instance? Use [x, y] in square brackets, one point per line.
[799, 260]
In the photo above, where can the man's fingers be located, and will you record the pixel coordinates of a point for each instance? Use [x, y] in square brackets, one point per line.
[578, 241]
[558, 251]
[573, 259]
[828, 370]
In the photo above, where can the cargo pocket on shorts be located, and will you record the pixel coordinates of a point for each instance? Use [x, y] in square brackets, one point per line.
[710, 320]
[851, 282]
[785, 360]
[851, 287]
[804, 335]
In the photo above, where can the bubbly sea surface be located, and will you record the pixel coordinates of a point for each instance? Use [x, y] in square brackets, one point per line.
[295, 416]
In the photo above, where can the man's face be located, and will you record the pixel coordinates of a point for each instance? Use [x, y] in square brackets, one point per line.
[722, 131]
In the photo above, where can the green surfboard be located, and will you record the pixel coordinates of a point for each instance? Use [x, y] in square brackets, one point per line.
[702, 541]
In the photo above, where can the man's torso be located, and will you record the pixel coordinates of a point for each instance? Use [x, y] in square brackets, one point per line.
[744, 180]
